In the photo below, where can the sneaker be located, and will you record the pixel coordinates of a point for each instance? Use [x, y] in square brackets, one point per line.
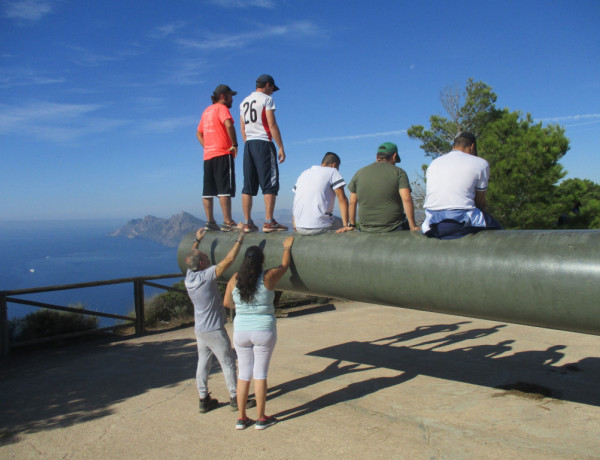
[233, 405]
[249, 227]
[243, 423]
[207, 404]
[273, 227]
[211, 226]
[227, 227]
[264, 423]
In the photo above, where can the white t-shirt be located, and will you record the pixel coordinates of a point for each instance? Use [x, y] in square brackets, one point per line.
[452, 180]
[253, 111]
[315, 197]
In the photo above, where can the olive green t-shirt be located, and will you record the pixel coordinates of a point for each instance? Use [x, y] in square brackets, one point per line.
[377, 187]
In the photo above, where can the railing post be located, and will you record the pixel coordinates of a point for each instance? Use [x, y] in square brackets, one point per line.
[4, 342]
[138, 295]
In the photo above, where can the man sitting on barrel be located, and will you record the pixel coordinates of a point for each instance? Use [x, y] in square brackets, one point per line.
[455, 204]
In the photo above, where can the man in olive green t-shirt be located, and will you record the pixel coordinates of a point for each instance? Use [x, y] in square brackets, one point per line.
[382, 193]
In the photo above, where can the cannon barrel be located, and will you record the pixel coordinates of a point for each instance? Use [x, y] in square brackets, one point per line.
[540, 278]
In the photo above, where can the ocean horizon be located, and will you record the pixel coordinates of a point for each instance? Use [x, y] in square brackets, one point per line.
[58, 252]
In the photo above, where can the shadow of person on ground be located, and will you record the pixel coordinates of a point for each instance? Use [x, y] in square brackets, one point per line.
[487, 365]
[59, 387]
[349, 392]
[333, 370]
[421, 331]
[461, 336]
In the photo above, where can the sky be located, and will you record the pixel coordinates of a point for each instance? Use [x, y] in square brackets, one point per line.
[99, 101]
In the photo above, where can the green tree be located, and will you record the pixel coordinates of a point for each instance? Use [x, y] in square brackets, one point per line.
[470, 111]
[579, 201]
[523, 157]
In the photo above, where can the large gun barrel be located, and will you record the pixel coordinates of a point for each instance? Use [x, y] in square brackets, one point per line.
[541, 278]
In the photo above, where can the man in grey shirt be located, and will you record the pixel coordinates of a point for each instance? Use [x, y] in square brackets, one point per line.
[211, 336]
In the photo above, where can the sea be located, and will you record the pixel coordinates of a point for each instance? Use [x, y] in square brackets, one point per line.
[48, 253]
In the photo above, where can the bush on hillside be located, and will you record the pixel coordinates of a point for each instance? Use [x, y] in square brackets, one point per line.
[169, 306]
[48, 323]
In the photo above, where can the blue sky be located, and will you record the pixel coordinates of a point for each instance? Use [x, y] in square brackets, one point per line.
[99, 101]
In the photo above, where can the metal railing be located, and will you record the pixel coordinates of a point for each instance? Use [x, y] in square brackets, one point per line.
[138, 295]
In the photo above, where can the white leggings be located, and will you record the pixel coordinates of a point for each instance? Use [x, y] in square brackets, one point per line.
[254, 350]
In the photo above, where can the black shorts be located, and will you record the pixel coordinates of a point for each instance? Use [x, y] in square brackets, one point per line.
[260, 168]
[219, 176]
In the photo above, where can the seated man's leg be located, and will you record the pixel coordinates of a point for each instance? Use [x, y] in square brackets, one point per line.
[310, 231]
[448, 229]
[491, 223]
[336, 223]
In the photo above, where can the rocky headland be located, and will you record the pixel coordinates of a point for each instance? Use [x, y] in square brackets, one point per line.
[168, 232]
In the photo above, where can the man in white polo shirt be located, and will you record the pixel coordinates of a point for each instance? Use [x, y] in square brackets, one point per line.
[457, 182]
[315, 193]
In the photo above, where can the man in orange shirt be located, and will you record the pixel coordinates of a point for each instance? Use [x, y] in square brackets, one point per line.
[217, 135]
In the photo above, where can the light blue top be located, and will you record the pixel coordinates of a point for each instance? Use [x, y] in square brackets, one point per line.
[259, 313]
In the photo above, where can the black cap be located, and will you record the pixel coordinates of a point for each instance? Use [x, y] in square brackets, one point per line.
[264, 78]
[223, 89]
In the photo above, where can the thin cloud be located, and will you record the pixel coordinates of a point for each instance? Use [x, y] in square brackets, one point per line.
[187, 72]
[55, 121]
[88, 58]
[167, 125]
[353, 137]
[572, 118]
[30, 10]
[167, 29]
[215, 42]
[20, 77]
[244, 3]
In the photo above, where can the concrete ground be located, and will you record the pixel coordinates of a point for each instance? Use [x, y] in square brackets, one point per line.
[348, 380]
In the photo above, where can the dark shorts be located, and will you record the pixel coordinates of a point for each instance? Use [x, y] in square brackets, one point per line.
[260, 168]
[219, 177]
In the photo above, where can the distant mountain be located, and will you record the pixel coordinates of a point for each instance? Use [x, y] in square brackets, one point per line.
[164, 231]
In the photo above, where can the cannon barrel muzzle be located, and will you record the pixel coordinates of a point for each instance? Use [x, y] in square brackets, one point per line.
[540, 278]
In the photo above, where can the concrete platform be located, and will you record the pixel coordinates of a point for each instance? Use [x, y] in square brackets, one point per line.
[349, 380]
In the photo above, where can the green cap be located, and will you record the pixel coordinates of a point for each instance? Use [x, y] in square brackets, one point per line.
[388, 149]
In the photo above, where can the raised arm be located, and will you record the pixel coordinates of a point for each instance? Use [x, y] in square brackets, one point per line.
[228, 297]
[231, 255]
[274, 274]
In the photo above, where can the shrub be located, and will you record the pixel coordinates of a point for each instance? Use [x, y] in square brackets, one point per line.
[169, 306]
[48, 323]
